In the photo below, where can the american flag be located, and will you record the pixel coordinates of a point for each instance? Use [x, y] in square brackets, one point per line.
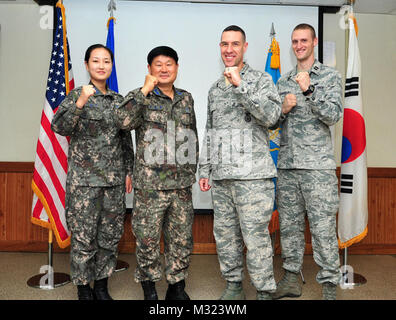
[50, 167]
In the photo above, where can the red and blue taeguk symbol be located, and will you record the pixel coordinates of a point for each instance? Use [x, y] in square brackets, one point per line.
[353, 136]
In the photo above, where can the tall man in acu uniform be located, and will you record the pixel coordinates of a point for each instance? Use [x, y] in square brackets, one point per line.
[241, 108]
[166, 158]
[307, 183]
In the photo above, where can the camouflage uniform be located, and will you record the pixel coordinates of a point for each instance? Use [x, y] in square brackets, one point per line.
[100, 156]
[241, 168]
[164, 172]
[306, 177]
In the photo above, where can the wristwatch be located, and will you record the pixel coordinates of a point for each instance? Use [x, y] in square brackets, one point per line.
[310, 89]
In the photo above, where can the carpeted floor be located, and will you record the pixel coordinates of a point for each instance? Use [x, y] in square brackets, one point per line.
[204, 281]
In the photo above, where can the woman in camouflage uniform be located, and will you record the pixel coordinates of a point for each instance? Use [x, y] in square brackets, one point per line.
[100, 161]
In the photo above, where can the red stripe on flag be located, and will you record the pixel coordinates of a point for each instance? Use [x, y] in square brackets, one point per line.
[51, 171]
[60, 154]
[53, 210]
[37, 209]
[71, 83]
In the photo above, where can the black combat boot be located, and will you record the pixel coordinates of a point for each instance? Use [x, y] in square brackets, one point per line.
[176, 291]
[100, 290]
[149, 290]
[84, 292]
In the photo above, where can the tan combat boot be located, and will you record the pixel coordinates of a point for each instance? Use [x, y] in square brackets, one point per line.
[289, 286]
[233, 291]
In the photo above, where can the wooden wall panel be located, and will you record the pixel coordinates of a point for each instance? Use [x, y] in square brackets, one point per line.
[3, 207]
[17, 233]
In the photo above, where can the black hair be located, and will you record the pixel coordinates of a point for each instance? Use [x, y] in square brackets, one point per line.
[236, 28]
[305, 26]
[162, 51]
[96, 46]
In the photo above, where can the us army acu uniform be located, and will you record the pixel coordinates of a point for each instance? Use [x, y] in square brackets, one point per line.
[100, 156]
[307, 182]
[164, 172]
[240, 165]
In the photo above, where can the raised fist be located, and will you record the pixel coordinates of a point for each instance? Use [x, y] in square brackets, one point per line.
[303, 80]
[149, 84]
[86, 92]
[232, 76]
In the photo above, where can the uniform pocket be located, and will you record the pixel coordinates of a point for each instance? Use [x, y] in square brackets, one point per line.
[185, 118]
[155, 114]
[91, 122]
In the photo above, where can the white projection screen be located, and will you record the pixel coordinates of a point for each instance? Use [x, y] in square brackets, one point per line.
[193, 30]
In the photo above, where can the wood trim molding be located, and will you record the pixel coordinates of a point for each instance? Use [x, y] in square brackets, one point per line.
[376, 172]
[381, 172]
[372, 172]
[27, 167]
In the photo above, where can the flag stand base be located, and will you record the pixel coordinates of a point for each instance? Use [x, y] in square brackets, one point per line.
[358, 280]
[350, 279]
[51, 279]
[59, 279]
[121, 266]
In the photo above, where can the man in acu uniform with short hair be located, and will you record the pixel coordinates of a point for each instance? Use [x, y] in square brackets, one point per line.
[307, 183]
[242, 105]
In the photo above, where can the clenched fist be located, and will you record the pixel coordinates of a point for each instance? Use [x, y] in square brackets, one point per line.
[289, 103]
[232, 75]
[149, 84]
[86, 92]
[303, 80]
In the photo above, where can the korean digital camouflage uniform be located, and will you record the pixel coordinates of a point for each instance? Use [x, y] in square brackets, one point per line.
[307, 182]
[100, 156]
[238, 159]
[164, 172]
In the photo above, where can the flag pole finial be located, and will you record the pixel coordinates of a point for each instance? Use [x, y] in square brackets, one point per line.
[272, 33]
[111, 7]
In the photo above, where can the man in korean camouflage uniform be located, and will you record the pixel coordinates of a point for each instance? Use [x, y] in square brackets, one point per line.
[100, 161]
[242, 105]
[166, 159]
[307, 183]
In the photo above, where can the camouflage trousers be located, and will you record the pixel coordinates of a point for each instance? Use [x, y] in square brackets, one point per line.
[242, 211]
[95, 217]
[170, 211]
[315, 193]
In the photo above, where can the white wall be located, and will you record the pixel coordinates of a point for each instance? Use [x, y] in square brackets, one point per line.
[25, 49]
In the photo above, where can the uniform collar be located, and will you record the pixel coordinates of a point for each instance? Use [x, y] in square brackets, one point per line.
[244, 69]
[157, 91]
[100, 93]
[315, 67]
